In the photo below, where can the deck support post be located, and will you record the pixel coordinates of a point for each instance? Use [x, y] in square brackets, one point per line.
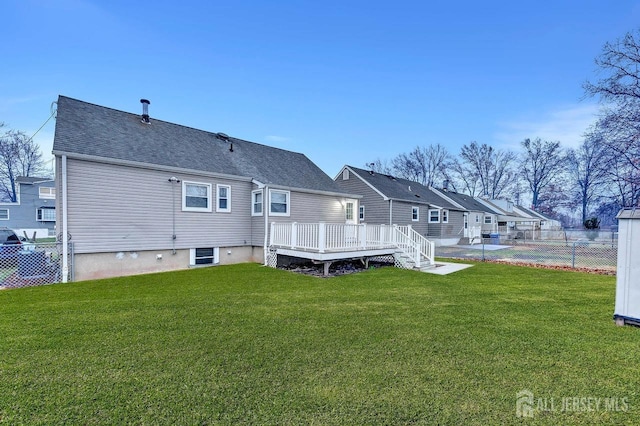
[326, 268]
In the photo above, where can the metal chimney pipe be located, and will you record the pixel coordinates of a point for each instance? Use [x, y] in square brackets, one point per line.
[145, 111]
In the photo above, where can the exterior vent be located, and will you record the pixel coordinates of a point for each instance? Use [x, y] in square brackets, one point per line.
[145, 111]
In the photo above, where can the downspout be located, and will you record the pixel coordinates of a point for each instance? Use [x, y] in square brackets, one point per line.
[65, 234]
[265, 191]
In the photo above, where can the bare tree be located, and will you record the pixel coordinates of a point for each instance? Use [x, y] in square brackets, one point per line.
[493, 167]
[618, 87]
[541, 163]
[380, 166]
[19, 156]
[427, 165]
[587, 170]
[465, 178]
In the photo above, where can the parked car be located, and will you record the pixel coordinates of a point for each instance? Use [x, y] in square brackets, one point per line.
[11, 246]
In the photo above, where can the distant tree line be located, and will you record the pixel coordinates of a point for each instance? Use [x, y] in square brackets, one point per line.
[595, 179]
[19, 156]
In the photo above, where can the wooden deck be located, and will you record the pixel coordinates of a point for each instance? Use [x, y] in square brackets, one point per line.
[329, 242]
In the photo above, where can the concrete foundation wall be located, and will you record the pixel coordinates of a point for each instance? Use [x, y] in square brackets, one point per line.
[90, 266]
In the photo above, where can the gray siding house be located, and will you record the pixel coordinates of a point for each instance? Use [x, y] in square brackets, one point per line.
[142, 195]
[34, 211]
[479, 215]
[396, 201]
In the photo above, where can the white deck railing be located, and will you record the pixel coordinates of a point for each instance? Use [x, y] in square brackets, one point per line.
[335, 237]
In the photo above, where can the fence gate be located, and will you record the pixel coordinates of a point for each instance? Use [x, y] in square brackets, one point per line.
[31, 264]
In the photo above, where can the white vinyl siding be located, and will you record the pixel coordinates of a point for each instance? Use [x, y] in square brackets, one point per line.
[415, 214]
[434, 216]
[196, 197]
[223, 198]
[279, 202]
[256, 203]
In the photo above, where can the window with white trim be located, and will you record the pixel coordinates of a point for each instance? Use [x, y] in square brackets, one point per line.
[348, 211]
[279, 202]
[445, 216]
[46, 214]
[256, 203]
[196, 197]
[488, 220]
[477, 218]
[4, 214]
[361, 213]
[48, 193]
[223, 198]
[434, 216]
[204, 256]
[415, 214]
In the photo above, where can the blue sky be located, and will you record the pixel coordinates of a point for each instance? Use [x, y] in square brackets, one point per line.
[340, 81]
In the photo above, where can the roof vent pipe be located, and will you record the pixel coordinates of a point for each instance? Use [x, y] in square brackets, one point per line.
[145, 111]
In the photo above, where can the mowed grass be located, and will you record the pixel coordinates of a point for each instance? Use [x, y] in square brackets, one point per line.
[248, 344]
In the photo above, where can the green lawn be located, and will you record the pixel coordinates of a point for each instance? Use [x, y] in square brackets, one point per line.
[248, 344]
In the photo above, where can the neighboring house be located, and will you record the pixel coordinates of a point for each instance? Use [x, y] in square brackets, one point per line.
[147, 195]
[546, 223]
[511, 223]
[396, 201]
[478, 215]
[34, 212]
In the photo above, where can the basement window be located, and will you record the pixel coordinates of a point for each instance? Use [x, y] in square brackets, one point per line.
[204, 256]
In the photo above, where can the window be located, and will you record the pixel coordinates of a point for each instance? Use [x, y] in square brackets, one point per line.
[196, 197]
[204, 256]
[223, 195]
[434, 216]
[477, 218]
[348, 211]
[345, 174]
[256, 203]
[278, 202]
[47, 193]
[361, 212]
[445, 216]
[487, 220]
[4, 214]
[415, 214]
[46, 214]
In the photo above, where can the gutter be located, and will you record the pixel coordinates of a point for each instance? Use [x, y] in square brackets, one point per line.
[65, 233]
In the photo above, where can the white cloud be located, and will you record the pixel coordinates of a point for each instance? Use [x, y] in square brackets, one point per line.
[567, 125]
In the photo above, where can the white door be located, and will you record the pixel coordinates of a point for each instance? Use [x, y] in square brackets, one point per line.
[466, 225]
[350, 211]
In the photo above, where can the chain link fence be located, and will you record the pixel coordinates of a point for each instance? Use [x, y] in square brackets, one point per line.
[31, 264]
[583, 254]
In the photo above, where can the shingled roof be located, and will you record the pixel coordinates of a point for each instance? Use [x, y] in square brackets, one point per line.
[91, 131]
[470, 203]
[396, 188]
